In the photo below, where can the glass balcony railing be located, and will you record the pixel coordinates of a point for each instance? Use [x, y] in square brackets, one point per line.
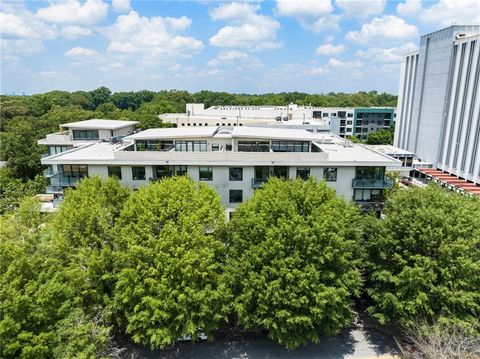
[258, 182]
[58, 181]
[372, 183]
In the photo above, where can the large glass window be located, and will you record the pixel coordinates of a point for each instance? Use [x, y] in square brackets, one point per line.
[180, 170]
[236, 196]
[163, 171]
[205, 173]
[78, 171]
[262, 172]
[154, 145]
[191, 146]
[280, 172]
[85, 134]
[303, 172]
[115, 171]
[138, 173]
[53, 150]
[370, 172]
[253, 146]
[236, 174]
[368, 195]
[330, 174]
[290, 146]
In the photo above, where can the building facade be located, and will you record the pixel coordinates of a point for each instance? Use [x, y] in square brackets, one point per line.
[343, 122]
[439, 101]
[234, 161]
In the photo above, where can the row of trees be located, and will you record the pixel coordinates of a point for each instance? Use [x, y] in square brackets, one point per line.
[161, 263]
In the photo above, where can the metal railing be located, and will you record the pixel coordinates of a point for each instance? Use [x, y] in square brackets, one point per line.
[57, 181]
[372, 183]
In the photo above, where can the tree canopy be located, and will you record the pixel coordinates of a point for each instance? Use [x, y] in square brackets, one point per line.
[169, 262]
[423, 258]
[291, 261]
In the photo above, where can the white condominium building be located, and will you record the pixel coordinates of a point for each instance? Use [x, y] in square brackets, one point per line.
[235, 161]
[439, 102]
[344, 122]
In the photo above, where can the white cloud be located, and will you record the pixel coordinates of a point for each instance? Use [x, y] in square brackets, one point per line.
[74, 32]
[318, 71]
[80, 52]
[388, 27]
[235, 57]
[313, 15]
[47, 74]
[121, 5]
[330, 49]
[304, 8]
[246, 30]
[361, 8]
[151, 37]
[410, 8]
[333, 62]
[447, 12]
[394, 54]
[24, 26]
[73, 12]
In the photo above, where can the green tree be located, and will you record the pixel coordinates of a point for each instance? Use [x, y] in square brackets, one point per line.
[423, 258]
[37, 295]
[170, 263]
[100, 95]
[84, 228]
[380, 137]
[291, 262]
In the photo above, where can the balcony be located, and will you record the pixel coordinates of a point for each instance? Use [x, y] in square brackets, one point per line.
[58, 181]
[49, 173]
[54, 189]
[258, 182]
[372, 183]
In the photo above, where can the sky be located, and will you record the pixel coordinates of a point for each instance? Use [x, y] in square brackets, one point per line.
[313, 46]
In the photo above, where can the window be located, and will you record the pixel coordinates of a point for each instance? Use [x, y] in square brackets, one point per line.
[290, 146]
[154, 145]
[325, 114]
[205, 173]
[303, 172]
[236, 196]
[191, 146]
[138, 173]
[115, 171]
[330, 174]
[53, 150]
[253, 146]
[180, 170]
[349, 114]
[228, 147]
[349, 122]
[368, 195]
[78, 171]
[236, 174]
[280, 172]
[162, 171]
[215, 147]
[85, 134]
[369, 172]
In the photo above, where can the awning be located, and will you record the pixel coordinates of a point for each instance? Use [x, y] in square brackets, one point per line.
[451, 180]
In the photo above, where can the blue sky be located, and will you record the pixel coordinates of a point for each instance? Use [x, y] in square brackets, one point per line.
[310, 46]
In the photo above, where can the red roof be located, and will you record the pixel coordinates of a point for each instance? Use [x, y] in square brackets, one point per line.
[452, 180]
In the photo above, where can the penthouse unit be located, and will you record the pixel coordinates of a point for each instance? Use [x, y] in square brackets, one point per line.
[439, 101]
[81, 133]
[340, 121]
[234, 161]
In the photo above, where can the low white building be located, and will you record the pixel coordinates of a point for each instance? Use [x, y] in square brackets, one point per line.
[344, 122]
[234, 161]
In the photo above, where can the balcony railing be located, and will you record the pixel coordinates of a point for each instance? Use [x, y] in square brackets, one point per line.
[58, 181]
[54, 189]
[372, 183]
[49, 173]
[258, 182]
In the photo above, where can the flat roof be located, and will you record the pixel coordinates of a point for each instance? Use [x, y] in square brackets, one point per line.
[100, 124]
[188, 132]
[452, 180]
[391, 150]
[272, 133]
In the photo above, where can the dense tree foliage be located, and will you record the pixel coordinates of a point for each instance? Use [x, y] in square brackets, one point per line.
[381, 137]
[423, 258]
[39, 312]
[292, 261]
[170, 263]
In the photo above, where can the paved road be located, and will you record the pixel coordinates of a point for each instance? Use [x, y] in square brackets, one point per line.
[352, 343]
